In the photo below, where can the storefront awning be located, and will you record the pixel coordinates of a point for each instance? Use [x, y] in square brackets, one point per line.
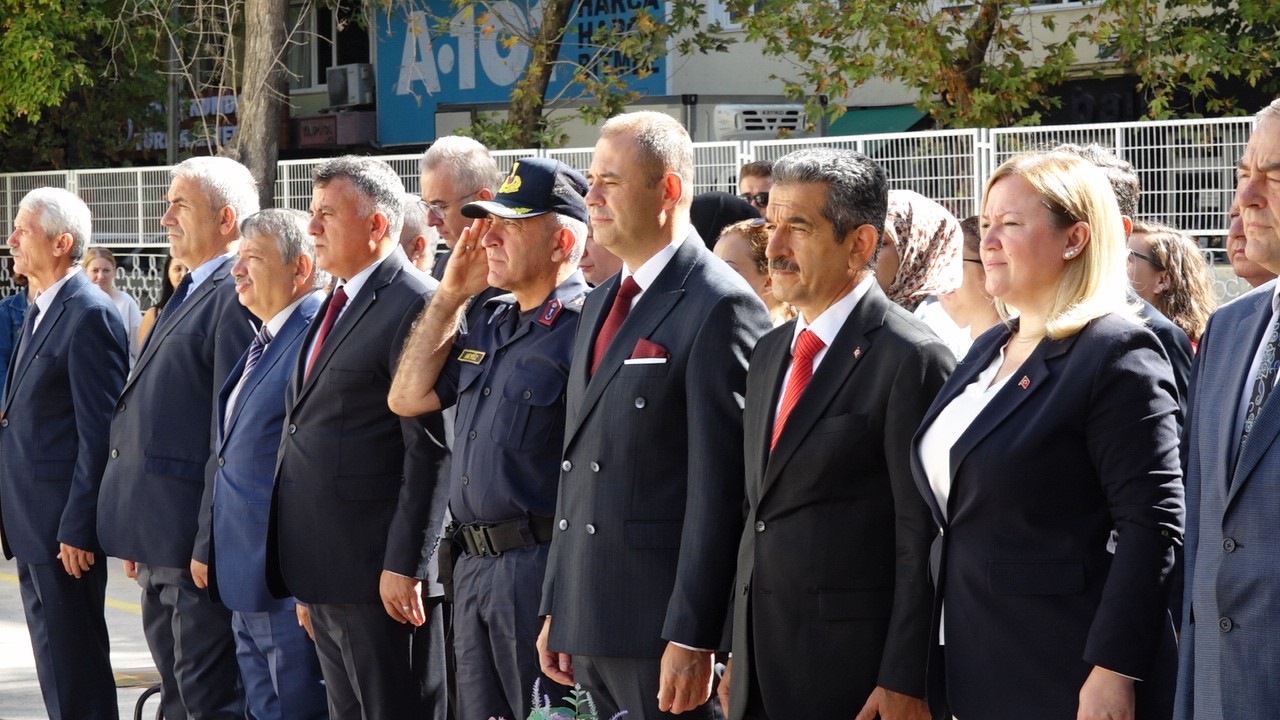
[872, 120]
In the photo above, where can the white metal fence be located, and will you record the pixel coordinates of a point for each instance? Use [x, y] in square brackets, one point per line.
[1187, 169]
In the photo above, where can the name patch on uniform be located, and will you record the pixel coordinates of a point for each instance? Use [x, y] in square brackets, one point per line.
[471, 356]
[550, 311]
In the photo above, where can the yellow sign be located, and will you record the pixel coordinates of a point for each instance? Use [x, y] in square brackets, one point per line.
[471, 356]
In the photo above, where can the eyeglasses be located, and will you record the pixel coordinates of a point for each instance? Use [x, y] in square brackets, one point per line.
[760, 199]
[1154, 263]
[440, 210]
[973, 260]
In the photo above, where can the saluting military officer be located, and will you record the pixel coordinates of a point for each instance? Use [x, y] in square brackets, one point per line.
[507, 377]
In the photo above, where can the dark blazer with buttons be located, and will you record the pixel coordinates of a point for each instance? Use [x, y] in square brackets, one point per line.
[1231, 619]
[57, 413]
[247, 447]
[1080, 443]
[161, 461]
[832, 595]
[650, 500]
[357, 487]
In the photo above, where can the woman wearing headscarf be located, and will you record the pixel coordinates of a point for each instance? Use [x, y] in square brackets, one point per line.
[924, 257]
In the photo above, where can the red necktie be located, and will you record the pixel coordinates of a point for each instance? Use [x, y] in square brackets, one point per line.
[617, 313]
[336, 303]
[808, 345]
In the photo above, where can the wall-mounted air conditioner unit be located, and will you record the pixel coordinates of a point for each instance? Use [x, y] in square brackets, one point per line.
[757, 122]
[350, 85]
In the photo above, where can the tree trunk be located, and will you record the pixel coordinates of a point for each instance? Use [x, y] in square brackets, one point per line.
[262, 95]
[529, 99]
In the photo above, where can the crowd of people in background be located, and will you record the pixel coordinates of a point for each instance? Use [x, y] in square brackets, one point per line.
[820, 449]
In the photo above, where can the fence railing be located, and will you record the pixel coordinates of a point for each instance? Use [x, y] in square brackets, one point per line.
[1187, 168]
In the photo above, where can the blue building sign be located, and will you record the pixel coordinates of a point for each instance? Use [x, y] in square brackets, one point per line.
[432, 52]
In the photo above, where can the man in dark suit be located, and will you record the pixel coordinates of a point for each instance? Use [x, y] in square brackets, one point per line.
[161, 463]
[68, 369]
[1231, 621]
[358, 511]
[832, 595]
[637, 589]
[276, 279]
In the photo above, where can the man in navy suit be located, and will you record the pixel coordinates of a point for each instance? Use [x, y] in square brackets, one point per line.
[276, 278]
[160, 463]
[68, 369]
[649, 509]
[358, 509]
[1230, 651]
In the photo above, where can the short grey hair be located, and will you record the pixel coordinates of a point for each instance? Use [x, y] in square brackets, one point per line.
[579, 230]
[225, 181]
[466, 160]
[1270, 111]
[61, 211]
[415, 224]
[857, 189]
[381, 189]
[664, 145]
[288, 227]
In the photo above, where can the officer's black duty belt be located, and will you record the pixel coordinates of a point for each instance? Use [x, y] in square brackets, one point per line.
[481, 540]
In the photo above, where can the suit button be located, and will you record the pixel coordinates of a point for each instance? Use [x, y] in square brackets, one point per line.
[759, 526]
[591, 529]
[114, 453]
[566, 466]
[471, 435]
[292, 428]
[120, 406]
[564, 524]
[466, 480]
[640, 402]
[595, 466]
[1225, 624]
[527, 395]
[1229, 545]
[4, 422]
[485, 392]
[222, 462]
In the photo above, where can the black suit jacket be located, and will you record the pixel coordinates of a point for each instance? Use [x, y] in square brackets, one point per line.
[832, 594]
[57, 413]
[1080, 442]
[160, 464]
[357, 487]
[650, 500]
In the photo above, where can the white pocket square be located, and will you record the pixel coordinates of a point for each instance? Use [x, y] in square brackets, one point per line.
[644, 361]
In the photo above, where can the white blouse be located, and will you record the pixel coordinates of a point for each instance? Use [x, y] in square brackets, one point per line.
[951, 423]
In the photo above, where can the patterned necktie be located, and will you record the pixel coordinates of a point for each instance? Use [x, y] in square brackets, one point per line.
[808, 345]
[336, 303]
[1264, 383]
[617, 313]
[256, 348]
[28, 329]
[175, 302]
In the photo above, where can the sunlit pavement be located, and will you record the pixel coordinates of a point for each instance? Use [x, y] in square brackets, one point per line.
[19, 689]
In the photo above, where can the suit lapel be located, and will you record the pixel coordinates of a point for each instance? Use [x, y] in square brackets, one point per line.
[19, 365]
[769, 364]
[273, 354]
[162, 330]
[653, 306]
[594, 312]
[852, 345]
[1024, 383]
[350, 317]
[1266, 425]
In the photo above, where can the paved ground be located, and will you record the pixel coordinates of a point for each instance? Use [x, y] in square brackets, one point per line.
[19, 690]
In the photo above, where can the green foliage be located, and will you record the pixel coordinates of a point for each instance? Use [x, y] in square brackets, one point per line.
[1187, 53]
[65, 98]
[578, 706]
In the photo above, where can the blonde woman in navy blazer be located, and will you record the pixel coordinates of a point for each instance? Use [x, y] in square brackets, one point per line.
[1050, 463]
